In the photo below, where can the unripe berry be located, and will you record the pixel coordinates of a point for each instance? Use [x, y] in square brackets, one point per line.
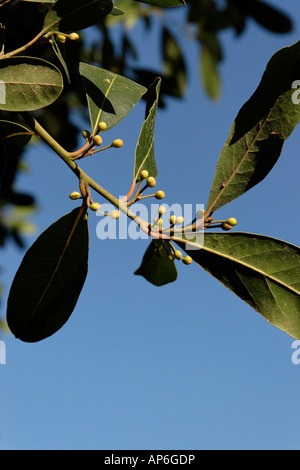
[117, 143]
[162, 210]
[73, 36]
[95, 206]
[160, 195]
[61, 38]
[179, 220]
[187, 260]
[75, 195]
[102, 126]
[86, 134]
[226, 226]
[178, 254]
[114, 214]
[151, 182]
[172, 219]
[144, 174]
[98, 140]
[232, 221]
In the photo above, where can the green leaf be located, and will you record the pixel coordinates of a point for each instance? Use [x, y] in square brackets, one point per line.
[269, 17]
[2, 38]
[144, 152]
[156, 266]
[3, 157]
[59, 55]
[117, 12]
[110, 96]
[164, 3]
[49, 280]
[174, 63]
[15, 136]
[71, 15]
[263, 271]
[259, 130]
[30, 83]
[211, 56]
[210, 74]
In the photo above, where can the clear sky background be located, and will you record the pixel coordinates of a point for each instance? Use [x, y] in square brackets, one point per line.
[185, 366]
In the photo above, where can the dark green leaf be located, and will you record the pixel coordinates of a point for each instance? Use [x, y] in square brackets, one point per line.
[30, 83]
[210, 74]
[164, 3]
[144, 153]
[259, 131]
[263, 271]
[49, 280]
[110, 96]
[15, 136]
[2, 38]
[71, 15]
[269, 17]
[156, 266]
[174, 63]
[3, 157]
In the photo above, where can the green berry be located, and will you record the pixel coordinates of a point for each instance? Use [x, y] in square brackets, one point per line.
[232, 221]
[98, 140]
[117, 143]
[160, 195]
[102, 126]
[86, 134]
[75, 195]
[61, 38]
[226, 226]
[95, 206]
[144, 174]
[178, 254]
[114, 214]
[151, 182]
[187, 260]
[73, 36]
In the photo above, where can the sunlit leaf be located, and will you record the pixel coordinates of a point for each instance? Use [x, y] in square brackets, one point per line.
[144, 153]
[262, 271]
[30, 83]
[110, 96]
[259, 130]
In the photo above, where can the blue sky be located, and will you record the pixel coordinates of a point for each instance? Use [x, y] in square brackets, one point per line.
[185, 366]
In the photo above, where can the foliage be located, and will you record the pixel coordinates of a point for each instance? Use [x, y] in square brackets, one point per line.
[261, 270]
